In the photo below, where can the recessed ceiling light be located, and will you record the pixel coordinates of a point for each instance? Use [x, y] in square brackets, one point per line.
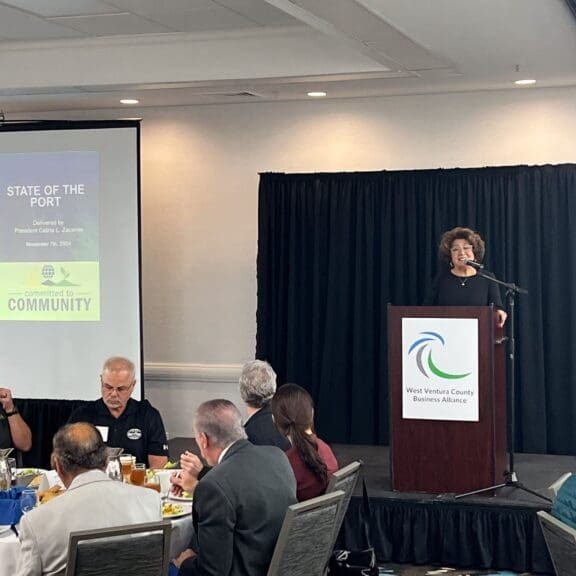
[525, 82]
[316, 94]
[129, 101]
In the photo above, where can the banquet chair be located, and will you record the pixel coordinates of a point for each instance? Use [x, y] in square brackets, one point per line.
[137, 550]
[561, 543]
[344, 479]
[306, 538]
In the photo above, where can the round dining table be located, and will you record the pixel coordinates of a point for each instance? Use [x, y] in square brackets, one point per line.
[10, 545]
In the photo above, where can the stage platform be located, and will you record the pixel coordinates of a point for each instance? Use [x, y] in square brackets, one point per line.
[500, 532]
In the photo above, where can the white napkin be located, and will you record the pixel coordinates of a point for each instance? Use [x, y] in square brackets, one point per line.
[49, 479]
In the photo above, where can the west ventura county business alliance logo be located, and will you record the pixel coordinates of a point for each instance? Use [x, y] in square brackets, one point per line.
[423, 347]
[440, 372]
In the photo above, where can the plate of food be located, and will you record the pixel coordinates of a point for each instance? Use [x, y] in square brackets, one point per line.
[172, 510]
[45, 496]
[22, 472]
[30, 477]
[184, 497]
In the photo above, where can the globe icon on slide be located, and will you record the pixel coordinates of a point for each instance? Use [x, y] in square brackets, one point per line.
[48, 271]
[48, 274]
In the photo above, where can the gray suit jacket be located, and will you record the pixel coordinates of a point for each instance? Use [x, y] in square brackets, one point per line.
[92, 501]
[238, 510]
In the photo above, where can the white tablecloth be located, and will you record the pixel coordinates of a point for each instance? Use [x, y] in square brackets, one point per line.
[9, 550]
[181, 534]
[10, 545]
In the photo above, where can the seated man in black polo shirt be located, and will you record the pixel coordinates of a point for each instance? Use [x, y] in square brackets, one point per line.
[14, 432]
[126, 423]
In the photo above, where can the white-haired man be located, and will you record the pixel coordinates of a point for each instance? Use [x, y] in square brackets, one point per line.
[124, 422]
[257, 387]
[240, 505]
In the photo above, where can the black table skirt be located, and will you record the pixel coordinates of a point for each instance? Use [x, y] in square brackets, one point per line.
[450, 534]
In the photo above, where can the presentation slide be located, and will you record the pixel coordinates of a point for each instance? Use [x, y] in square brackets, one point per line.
[49, 258]
[69, 257]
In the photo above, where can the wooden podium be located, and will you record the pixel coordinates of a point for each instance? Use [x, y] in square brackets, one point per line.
[445, 456]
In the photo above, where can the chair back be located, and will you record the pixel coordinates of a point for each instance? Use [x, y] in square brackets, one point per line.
[561, 542]
[306, 538]
[138, 550]
[344, 479]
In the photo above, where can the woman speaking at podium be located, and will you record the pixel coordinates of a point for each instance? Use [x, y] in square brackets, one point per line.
[462, 250]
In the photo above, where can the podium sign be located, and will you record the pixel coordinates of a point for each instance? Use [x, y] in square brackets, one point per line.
[447, 398]
[440, 369]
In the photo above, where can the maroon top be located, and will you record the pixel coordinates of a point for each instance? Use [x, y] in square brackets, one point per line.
[308, 484]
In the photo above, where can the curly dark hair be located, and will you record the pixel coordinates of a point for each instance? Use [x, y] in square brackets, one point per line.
[459, 233]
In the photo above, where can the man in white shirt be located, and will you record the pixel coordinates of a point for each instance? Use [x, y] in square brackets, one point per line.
[91, 501]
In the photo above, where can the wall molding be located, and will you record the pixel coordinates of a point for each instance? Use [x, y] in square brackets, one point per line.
[174, 372]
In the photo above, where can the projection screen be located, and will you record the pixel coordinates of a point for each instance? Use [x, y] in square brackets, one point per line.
[69, 255]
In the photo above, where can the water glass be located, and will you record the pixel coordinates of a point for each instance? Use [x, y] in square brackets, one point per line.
[114, 470]
[27, 500]
[12, 465]
[127, 461]
[5, 475]
[165, 484]
[152, 481]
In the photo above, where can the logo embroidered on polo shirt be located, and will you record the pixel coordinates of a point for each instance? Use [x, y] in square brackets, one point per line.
[134, 434]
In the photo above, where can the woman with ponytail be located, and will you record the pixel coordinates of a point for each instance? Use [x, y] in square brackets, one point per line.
[312, 459]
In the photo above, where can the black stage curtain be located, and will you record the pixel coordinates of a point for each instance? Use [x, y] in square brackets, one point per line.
[335, 249]
[450, 534]
[44, 417]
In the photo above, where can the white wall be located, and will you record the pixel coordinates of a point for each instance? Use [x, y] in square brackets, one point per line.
[200, 170]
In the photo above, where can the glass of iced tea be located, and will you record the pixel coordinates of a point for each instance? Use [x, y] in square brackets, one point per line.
[127, 462]
[152, 481]
[138, 474]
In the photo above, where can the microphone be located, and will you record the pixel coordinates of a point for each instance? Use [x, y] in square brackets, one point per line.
[474, 264]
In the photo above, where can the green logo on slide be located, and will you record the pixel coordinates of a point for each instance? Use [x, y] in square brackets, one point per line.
[43, 291]
[48, 273]
[422, 345]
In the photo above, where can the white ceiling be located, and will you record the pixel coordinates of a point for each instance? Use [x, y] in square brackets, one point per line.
[87, 54]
